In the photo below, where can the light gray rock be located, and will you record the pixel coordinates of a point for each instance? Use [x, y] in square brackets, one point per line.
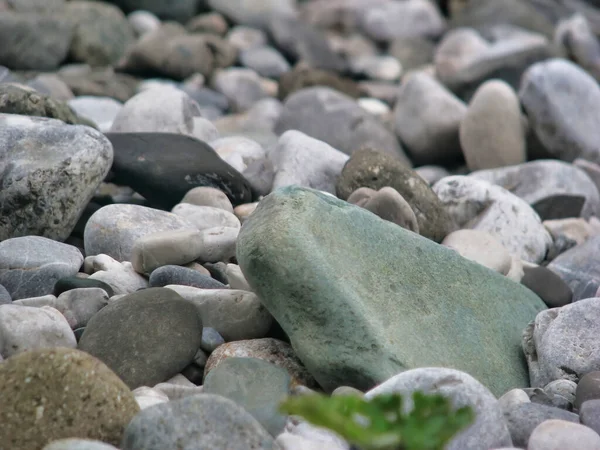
[254, 13]
[479, 205]
[377, 67]
[576, 36]
[50, 172]
[589, 414]
[563, 105]
[524, 418]
[78, 306]
[492, 133]
[208, 196]
[100, 110]
[265, 60]
[204, 217]
[204, 130]
[122, 278]
[159, 109]
[143, 22]
[249, 158]
[219, 421]
[236, 315]
[165, 247]
[147, 397]
[244, 38]
[389, 20]
[242, 87]
[432, 174]
[25, 328]
[563, 343]
[489, 429]
[513, 398]
[564, 388]
[78, 444]
[31, 265]
[218, 244]
[236, 278]
[113, 229]
[481, 247]
[332, 117]
[427, 118]
[537, 180]
[560, 434]
[305, 161]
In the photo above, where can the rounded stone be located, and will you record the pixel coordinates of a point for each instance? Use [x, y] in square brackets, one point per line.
[113, 229]
[146, 337]
[560, 435]
[491, 132]
[481, 247]
[183, 276]
[208, 196]
[388, 204]
[588, 388]
[220, 422]
[376, 170]
[211, 339]
[58, 393]
[204, 217]
[75, 282]
[78, 444]
[547, 285]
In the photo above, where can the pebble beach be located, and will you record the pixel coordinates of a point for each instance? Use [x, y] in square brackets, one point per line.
[209, 206]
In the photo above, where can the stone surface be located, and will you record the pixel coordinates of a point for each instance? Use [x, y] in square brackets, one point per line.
[160, 109]
[376, 170]
[311, 111]
[208, 196]
[121, 277]
[241, 86]
[101, 33]
[265, 60]
[549, 92]
[588, 388]
[256, 385]
[301, 77]
[479, 205]
[100, 110]
[205, 217]
[114, 229]
[271, 350]
[489, 429]
[236, 315]
[427, 119]
[368, 339]
[481, 247]
[548, 343]
[57, 393]
[24, 328]
[78, 444]
[34, 41]
[31, 265]
[560, 434]
[145, 337]
[547, 285]
[492, 132]
[183, 276]
[301, 160]
[253, 13]
[388, 204]
[589, 414]
[164, 177]
[51, 171]
[578, 268]
[180, 10]
[218, 421]
[524, 418]
[165, 248]
[537, 181]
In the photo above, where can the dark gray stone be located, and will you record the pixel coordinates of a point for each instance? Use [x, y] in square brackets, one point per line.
[31, 265]
[579, 267]
[146, 337]
[216, 422]
[49, 173]
[589, 414]
[74, 282]
[547, 285]
[349, 129]
[559, 206]
[5, 297]
[163, 167]
[171, 274]
[211, 339]
[522, 420]
[256, 385]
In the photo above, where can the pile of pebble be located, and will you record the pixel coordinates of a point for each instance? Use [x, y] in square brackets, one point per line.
[207, 206]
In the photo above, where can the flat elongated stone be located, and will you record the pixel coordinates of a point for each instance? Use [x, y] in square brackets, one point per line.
[369, 299]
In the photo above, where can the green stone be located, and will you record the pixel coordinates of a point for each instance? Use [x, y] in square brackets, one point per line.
[363, 299]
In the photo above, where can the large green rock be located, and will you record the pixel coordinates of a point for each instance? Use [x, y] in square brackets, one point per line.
[363, 299]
